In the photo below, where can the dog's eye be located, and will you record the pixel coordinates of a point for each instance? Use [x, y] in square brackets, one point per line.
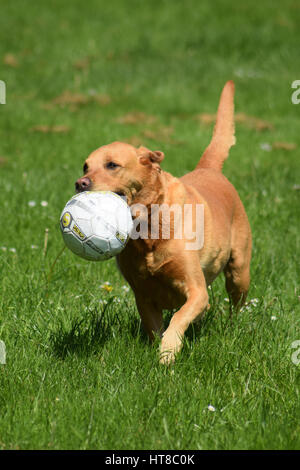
[111, 165]
[85, 168]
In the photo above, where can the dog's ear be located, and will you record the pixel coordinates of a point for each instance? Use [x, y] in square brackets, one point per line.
[148, 157]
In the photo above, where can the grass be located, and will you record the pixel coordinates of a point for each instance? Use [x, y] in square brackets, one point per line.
[80, 373]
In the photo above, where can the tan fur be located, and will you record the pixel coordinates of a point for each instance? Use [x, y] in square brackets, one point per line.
[223, 136]
[162, 273]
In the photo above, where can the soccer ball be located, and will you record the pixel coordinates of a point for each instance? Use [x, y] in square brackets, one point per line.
[96, 224]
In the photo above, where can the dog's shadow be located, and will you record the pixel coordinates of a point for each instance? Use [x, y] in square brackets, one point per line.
[86, 336]
[80, 339]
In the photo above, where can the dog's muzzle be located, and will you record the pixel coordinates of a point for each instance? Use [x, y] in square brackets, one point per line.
[83, 184]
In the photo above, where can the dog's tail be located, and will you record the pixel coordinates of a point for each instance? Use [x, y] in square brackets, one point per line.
[223, 136]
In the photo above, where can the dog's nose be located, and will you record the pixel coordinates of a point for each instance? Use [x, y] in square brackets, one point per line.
[83, 184]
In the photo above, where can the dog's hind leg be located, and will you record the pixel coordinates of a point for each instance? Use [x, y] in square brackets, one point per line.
[237, 276]
[237, 269]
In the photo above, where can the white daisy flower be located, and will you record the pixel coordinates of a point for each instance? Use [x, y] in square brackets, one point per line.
[273, 318]
[32, 203]
[266, 146]
[211, 408]
[44, 203]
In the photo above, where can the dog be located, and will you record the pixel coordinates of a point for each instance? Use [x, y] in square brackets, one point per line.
[162, 273]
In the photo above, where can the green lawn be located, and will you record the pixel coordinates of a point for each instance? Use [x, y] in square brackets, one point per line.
[79, 372]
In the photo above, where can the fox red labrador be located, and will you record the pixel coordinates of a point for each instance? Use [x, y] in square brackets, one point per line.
[163, 272]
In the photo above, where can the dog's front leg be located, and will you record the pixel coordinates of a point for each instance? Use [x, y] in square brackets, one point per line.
[151, 317]
[197, 302]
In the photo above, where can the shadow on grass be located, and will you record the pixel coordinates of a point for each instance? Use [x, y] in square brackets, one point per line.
[88, 335]
[85, 336]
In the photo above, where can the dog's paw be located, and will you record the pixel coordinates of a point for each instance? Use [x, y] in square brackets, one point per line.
[167, 357]
[170, 345]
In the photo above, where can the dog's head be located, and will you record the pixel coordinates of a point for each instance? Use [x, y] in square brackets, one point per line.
[121, 168]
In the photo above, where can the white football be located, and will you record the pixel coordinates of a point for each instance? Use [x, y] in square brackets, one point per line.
[96, 225]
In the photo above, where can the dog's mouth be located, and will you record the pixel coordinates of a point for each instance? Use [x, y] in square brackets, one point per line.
[120, 193]
[124, 195]
[85, 184]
